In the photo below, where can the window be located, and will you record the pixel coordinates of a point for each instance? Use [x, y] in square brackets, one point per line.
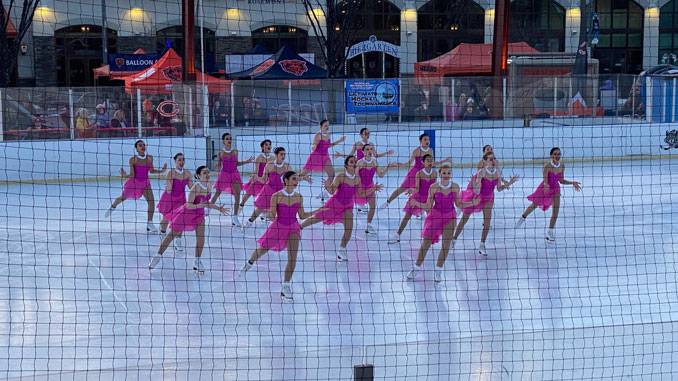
[620, 44]
[444, 24]
[79, 50]
[274, 37]
[668, 33]
[172, 38]
[540, 23]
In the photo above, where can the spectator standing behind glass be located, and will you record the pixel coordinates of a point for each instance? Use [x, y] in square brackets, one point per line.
[82, 122]
[147, 107]
[435, 108]
[459, 107]
[101, 119]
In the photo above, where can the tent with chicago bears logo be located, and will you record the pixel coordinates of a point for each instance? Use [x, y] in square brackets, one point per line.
[285, 64]
[160, 77]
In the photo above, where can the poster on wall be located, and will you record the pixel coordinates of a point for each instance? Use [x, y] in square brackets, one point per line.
[132, 62]
[372, 96]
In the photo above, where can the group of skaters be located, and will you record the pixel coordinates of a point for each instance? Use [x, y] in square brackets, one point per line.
[273, 186]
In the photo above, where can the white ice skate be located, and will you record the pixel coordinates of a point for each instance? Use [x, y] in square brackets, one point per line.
[286, 292]
[438, 275]
[236, 222]
[179, 244]
[109, 211]
[150, 227]
[197, 266]
[154, 261]
[341, 254]
[520, 222]
[370, 230]
[481, 250]
[243, 269]
[394, 238]
[412, 273]
[550, 236]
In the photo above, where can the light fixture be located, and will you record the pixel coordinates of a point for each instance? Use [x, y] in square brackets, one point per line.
[233, 13]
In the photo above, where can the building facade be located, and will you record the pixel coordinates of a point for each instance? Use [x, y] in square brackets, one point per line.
[65, 43]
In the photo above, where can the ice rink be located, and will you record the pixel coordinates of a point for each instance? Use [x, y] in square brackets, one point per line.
[78, 301]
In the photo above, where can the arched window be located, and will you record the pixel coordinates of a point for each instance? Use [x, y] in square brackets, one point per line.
[381, 19]
[171, 38]
[668, 33]
[274, 37]
[79, 50]
[444, 24]
[540, 23]
[620, 44]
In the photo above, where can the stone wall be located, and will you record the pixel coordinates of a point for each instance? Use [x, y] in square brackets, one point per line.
[128, 44]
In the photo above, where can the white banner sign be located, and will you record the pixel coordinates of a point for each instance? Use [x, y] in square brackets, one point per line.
[373, 45]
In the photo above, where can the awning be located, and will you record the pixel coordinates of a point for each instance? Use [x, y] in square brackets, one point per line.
[10, 29]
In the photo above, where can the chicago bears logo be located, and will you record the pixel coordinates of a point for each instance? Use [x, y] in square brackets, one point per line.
[172, 73]
[295, 67]
[671, 139]
[263, 67]
[120, 62]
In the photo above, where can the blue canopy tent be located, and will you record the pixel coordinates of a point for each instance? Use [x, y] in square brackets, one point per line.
[285, 64]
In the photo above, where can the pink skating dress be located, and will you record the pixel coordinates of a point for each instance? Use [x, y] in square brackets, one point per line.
[170, 201]
[545, 199]
[273, 184]
[134, 187]
[183, 219]
[410, 181]
[359, 154]
[440, 215]
[366, 183]
[319, 157]
[253, 187]
[420, 196]
[284, 225]
[342, 200]
[228, 175]
[486, 195]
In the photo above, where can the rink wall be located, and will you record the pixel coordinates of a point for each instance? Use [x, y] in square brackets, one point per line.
[64, 160]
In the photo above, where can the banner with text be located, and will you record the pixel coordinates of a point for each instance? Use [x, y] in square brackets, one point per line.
[131, 62]
[372, 96]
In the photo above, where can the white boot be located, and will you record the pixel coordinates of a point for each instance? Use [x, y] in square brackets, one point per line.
[481, 250]
[109, 211]
[286, 293]
[452, 243]
[413, 272]
[370, 230]
[179, 243]
[197, 266]
[384, 205]
[150, 227]
[394, 238]
[550, 236]
[520, 222]
[248, 223]
[154, 261]
[438, 274]
[341, 254]
[236, 222]
[244, 268]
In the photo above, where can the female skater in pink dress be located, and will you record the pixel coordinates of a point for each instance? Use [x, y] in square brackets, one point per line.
[423, 180]
[357, 147]
[416, 159]
[339, 208]
[482, 187]
[229, 177]
[441, 220]
[138, 183]
[273, 184]
[319, 160]
[284, 232]
[189, 217]
[255, 184]
[367, 167]
[174, 195]
[548, 192]
[358, 151]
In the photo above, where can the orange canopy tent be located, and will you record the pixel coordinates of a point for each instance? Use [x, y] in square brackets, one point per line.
[465, 59]
[105, 71]
[160, 77]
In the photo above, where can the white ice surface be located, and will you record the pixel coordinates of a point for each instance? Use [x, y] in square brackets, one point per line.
[77, 300]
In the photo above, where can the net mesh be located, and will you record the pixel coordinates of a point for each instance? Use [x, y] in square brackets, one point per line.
[92, 173]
